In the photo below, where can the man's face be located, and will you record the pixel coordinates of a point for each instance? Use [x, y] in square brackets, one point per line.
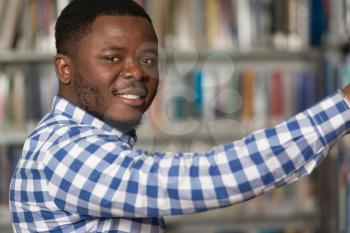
[115, 75]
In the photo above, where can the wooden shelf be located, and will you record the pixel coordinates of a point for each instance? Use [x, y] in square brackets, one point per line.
[256, 55]
[15, 57]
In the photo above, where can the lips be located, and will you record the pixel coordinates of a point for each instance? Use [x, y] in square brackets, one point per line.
[132, 97]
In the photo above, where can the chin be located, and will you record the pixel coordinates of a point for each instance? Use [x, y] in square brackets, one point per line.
[123, 118]
[124, 125]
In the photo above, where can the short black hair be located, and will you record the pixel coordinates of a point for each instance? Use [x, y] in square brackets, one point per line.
[76, 18]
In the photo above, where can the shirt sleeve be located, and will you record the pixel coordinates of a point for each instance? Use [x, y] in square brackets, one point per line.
[95, 176]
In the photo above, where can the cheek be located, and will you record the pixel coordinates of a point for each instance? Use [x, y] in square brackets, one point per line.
[152, 87]
[152, 84]
[92, 95]
[86, 92]
[151, 71]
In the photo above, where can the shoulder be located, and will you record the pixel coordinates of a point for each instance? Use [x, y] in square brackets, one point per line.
[58, 134]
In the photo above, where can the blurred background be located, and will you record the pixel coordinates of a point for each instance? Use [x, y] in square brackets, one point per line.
[227, 68]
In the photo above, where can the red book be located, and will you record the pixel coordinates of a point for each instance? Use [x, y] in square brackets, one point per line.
[276, 98]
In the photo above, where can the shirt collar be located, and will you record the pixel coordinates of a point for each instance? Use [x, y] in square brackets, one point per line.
[63, 106]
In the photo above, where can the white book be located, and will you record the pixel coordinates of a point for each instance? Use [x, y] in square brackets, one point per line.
[260, 99]
[60, 5]
[303, 21]
[209, 93]
[244, 24]
[9, 24]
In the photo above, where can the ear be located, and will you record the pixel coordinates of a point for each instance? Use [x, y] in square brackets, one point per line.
[63, 67]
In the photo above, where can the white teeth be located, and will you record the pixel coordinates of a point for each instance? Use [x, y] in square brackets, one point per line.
[130, 97]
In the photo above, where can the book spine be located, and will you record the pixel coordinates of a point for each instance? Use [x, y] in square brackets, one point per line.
[198, 94]
[248, 94]
[4, 94]
[277, 95]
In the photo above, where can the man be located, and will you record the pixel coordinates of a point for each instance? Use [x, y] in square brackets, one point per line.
[79, 171]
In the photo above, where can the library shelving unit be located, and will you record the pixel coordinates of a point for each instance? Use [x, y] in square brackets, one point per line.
[258, 67]
[218, 131]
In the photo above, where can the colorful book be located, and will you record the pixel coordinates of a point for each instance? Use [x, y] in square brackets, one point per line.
[277, 95]
[10, 24]
[248, 77]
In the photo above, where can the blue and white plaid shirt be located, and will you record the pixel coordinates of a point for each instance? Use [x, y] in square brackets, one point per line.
[77, 174]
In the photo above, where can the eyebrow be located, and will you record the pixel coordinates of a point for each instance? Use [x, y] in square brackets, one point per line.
[122, 49]
[150, 50]
[113, 48]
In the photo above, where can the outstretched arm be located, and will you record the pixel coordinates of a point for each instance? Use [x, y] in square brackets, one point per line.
[99, 176]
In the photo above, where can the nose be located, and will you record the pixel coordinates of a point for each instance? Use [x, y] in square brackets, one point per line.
[132, 70]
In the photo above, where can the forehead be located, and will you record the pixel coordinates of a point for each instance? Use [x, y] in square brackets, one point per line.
[120, 30]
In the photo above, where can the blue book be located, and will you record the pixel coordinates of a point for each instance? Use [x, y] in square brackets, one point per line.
[317, 22]
[298, 88]
[309, 90]
[198, 93]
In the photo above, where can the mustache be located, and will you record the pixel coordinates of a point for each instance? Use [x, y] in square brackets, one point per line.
[131, 87]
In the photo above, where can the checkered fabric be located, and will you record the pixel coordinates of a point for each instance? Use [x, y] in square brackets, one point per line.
[77, 174]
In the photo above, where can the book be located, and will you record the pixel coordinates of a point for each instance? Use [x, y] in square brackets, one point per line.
[317, 21]
[60, 5]
[261, 100]
[18, 93]
[198, 93]
[4, 95]
[222, 39]
[247, 80]
[288, 93]
[242, 24]
[209, 92]
[45, 32]
[276, 97]
[10, 24]
[244, 29]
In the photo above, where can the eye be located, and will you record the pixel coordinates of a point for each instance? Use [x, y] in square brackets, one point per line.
[112, 59]
[147, 61]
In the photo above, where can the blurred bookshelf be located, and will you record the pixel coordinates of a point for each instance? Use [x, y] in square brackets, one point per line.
[14, 57]
[228, 67]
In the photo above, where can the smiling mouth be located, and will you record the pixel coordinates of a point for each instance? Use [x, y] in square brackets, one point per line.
[131, 96]
[133, 99]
